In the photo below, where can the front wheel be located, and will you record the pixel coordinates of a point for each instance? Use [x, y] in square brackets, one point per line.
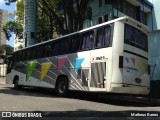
[16, 84]
[62, 87]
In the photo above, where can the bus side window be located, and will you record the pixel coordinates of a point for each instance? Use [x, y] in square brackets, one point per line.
[129, 37]
[28, 54]
[39, 51]
[33, 53]
[55, 48]
[23, 55]
[75, 42]
[103, 37]
[87, 40]
[46, 50]
[64, 46]
[19, 56]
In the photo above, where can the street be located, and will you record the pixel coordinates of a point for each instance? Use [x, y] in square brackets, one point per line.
[77, 104]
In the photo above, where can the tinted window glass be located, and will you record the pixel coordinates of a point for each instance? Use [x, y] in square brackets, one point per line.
[75, 43]
[28, 54]
[18, 56]
[87, 40]
[33, 53]
[135, 37]
[23, 55]
[103, 37]
[55, 48]
[39, 51]
[46, 50]
[65, 46]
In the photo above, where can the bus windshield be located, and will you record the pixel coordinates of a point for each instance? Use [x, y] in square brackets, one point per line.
[135, 38]
[9, 63]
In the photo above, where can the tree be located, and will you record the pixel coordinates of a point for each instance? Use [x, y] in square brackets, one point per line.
[75, 13]
[72, 13]
[13, 26]
[20, 12]
[5, 50]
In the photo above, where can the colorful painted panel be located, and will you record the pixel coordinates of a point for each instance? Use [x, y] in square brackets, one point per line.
[78, 62]
[60, 62]
[30, 67]
[44, 69]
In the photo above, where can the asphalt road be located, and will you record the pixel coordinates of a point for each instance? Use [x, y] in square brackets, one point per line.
[76, 105]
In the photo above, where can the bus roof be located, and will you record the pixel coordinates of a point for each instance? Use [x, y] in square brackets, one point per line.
[93, 27]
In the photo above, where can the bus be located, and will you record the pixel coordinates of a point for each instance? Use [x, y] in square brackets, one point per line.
[111, 57]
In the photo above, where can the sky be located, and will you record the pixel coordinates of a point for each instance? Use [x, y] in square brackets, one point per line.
[10, 9]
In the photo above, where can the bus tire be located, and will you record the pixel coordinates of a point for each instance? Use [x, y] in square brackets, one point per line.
[16, 83]
[62, 86]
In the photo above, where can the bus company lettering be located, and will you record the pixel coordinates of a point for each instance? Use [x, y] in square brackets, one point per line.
[21, 114]
[99, 58]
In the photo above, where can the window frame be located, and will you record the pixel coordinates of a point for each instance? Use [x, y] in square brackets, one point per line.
[81, 43]
[71, 42]
[111, 36]
[134, 29]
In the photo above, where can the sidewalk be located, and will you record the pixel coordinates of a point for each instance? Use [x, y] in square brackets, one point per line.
[2, 80]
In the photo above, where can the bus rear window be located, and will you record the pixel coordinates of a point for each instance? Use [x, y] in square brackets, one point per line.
[135, 37]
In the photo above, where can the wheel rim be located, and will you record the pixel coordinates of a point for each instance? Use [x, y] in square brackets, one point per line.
[62, 87]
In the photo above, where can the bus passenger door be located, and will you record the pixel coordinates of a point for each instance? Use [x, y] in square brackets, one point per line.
[98, 76]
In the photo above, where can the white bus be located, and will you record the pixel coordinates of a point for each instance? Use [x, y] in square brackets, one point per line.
[111, 57]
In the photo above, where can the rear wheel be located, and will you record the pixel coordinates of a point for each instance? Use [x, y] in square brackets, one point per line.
[62, 87]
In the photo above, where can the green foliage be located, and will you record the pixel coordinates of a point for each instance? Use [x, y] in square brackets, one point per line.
[20, 12]
[50, 19]
[6, 48]
[20, 46]
[88, 14]
[13, 26]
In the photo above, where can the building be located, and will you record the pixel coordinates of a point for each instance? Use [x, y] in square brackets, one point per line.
[155, 41]
[3, 20]
[105, 10]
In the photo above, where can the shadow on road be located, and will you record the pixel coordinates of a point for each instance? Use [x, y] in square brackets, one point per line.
[36, 92]
[41, 92]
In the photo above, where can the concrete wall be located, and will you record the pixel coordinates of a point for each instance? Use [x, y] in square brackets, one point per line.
[156, 14]
[154, 46]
